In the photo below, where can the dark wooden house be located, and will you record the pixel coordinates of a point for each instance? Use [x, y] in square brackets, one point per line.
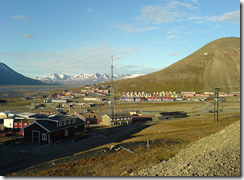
[53, 129]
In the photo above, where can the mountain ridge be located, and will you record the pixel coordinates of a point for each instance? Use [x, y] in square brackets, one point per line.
[84, 78]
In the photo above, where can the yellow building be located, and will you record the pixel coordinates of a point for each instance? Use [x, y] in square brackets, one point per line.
[117, 119]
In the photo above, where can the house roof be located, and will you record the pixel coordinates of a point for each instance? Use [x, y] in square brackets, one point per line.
[50, 124]
[61, 117]
[120, 115]
[76, 114]
[173, 113]
[99, 115]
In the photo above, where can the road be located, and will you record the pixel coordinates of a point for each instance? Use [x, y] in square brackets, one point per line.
[18, 161]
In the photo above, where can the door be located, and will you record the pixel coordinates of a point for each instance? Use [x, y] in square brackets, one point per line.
[36, 136]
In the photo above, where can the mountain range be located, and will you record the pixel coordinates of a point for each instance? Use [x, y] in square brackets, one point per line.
[10, 77]
[217, 64]
[83, 78]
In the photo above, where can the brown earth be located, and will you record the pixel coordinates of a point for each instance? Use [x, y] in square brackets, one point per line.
[166, 139]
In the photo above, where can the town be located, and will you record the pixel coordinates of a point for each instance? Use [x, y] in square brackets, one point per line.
[71, 114]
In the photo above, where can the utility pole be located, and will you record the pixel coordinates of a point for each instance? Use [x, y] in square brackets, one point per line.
[111, 105]
[216, 99]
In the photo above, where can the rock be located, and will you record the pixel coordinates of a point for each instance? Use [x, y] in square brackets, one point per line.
[215, 155]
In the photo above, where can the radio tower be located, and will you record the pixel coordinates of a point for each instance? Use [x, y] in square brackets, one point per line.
[111, 105]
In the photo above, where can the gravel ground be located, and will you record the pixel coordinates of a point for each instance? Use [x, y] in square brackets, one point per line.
[214, 155]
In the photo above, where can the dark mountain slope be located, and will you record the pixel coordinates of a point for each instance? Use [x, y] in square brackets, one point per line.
[11, 77]
[217, 64]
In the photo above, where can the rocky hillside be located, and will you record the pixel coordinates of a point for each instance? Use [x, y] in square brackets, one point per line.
[214, 155]
[217, 64]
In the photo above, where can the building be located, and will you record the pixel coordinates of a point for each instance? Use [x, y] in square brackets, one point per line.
[143, 118]
[51, 100]
[98, 117]
[17, 123]
[171, 115]
[133, 112]
[53, 129]
[92, 99]
[118, 119]
[4, 114]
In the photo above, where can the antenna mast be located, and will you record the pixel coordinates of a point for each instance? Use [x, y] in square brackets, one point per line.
[111, 105]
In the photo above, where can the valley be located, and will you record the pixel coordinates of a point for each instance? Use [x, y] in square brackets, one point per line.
[155, 115]
[104, 153]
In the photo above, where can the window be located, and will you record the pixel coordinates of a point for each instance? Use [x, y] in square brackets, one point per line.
[44, 136]
[66, 132]
[73, 120]
[69, 121]
[65, 122]
[60, 123]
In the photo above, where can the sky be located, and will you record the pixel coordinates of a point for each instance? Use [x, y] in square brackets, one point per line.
[80, 36]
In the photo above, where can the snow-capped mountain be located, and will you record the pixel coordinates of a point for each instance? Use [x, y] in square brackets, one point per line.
[83, 78]
[53, 77]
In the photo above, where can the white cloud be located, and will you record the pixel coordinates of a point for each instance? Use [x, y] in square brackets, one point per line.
[180, 42]
[21, 18]
[136, 69]
[160, 14]
[82, 60]
[199, 22]
[167, 41]
[89, 10]
[26, 36]
[173, 54]
[181, 4]
[230, 17]
[131, 29]
[171, 12]
[172, 37]
[177, 29]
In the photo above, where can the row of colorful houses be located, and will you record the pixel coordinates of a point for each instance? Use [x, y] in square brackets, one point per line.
[154, 94]
[187, 94]
[168, 94]
[141, 99]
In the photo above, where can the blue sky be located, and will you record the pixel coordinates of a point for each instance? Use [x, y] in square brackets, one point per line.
[79, 36]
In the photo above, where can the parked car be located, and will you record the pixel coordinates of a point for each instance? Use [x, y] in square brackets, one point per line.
[79, 135]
